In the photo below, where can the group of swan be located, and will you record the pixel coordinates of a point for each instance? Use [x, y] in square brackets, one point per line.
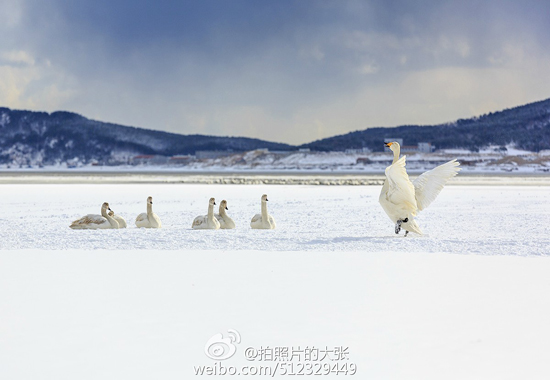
[210, 221]
[108, 219]
[221, 220]
[402, 199]
[149, 219]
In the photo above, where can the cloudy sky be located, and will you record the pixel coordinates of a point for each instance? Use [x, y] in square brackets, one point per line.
[281, 70]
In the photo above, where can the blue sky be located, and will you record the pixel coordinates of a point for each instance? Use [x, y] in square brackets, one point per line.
[289, 71]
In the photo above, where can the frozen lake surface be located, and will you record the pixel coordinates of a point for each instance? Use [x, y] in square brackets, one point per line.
[464, 219]
[468, 300]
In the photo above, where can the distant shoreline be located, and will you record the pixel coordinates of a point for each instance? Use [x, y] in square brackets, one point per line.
[248, 177]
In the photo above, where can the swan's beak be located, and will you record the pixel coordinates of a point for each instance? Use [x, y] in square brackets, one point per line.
[214, 203]
[226, 208]
[109, 209]
[266, 199]
[387, 145]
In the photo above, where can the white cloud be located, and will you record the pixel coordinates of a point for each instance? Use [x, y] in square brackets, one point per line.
[370, 68]
[13, 83]
[16, 57]
[30, 84]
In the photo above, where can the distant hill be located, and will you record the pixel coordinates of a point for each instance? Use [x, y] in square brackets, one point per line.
[40, 138]
[28, 137]
[527, 127]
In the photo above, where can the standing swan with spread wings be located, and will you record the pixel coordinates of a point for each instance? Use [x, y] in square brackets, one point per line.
[401, 199]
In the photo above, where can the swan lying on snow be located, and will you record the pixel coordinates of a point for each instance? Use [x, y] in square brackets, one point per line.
[148, 219]
[226, 223]
[207, 222]
[263, 221]
[401, 199]
[94, 221]
[120, 220]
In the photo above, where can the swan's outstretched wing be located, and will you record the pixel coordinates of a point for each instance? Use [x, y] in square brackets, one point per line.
[401, 190]
[428, 185]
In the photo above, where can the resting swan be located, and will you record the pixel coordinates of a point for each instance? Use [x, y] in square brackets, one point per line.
[148, 219]
[120, 220]
[263, 221]
[207, 222]
[226, 223]
[401, 199]
[94, 221]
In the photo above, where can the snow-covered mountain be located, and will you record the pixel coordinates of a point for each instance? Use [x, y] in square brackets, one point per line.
[39, 138]
[62, 138]
[526, 127]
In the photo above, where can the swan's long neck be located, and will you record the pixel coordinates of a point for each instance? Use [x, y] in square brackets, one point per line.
[210, 212]
[396, 153]
[149, 210]
[264, 210]
[109, 218]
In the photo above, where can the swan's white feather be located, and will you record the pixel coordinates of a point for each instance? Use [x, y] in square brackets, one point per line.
[428, 185]
[201, 222]
[120, 220]
[141, 217]
[400, 190]
[257, 223]
[142, 221]
[256, 218]
[90, 221]
[272, 222]
[226, 223]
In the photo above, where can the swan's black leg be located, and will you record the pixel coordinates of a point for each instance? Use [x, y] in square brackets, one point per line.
[398, 226]
[406, 233]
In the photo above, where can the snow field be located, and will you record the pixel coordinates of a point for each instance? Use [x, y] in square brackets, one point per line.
[463, 219]
[466, 301]
[148, 314]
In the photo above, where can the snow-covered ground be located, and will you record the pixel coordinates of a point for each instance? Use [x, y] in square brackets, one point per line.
[464, 219]
[148, 314]
[466, 301]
